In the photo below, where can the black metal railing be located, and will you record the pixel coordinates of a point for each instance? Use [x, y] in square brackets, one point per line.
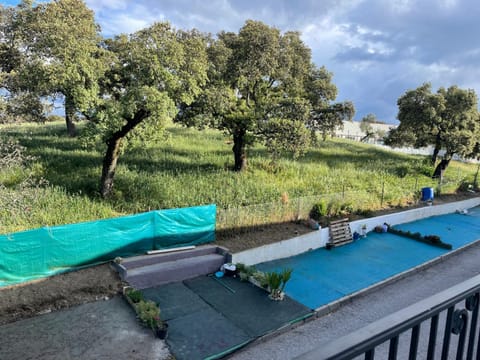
[444, 326]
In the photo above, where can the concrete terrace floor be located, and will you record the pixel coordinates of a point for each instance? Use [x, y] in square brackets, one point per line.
[322, 276]
[365, 309]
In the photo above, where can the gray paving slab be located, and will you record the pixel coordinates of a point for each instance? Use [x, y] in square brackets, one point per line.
[367, 308]
[96, 331]
[246, 305]
[175, 300]
[203, 333]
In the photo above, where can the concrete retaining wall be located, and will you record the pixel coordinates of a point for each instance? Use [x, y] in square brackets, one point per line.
[283, 249]
[318, 239]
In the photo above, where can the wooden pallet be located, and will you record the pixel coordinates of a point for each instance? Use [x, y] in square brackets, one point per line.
[340, 233]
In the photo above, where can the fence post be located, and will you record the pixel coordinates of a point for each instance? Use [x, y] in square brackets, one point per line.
[416, 184]
[343, 191]
[383, 193]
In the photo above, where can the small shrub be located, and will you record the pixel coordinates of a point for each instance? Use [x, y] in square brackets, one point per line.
[135, 295]
[274, 280]
[346, 208]
[318, 210]
[149, 314]
[261, 278]
[245, 271]
[366, 213]
[433, 239]
[277, 281]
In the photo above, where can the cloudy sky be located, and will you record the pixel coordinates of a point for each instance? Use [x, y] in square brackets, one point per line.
[377, 49]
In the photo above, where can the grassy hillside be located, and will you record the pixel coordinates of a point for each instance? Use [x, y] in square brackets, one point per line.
[192, 168]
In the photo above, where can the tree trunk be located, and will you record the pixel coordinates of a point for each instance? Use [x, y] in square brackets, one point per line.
[69, 116]
[113, 152]
[475, 179]
[109, 166]
[441, 167]
[436, 150]
[239, 150]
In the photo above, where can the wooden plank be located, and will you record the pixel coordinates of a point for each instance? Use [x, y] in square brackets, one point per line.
[340, 233]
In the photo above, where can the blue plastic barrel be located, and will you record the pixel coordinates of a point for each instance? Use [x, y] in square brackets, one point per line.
[427, 194]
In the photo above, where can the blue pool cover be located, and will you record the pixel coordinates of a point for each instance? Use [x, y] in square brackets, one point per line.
[322, 276]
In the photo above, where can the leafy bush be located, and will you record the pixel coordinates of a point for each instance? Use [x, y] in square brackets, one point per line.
[318, 210]
[435, 239]
[276, 282]
[261, 278]
[149, 314]
[245, 271]
[135, 295]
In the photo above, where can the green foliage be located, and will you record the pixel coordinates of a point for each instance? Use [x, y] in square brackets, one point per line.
[262, 278]
[448, 119]
[135, 295]
[318, 210]
[274, 280]
[245, 271]
[262, 88]
[148, 313]
[277, 281]
[283, 135]
[150, 72]
[285, 275]
[428, 239]
[191, 168]
[329, 118]
[58, 53]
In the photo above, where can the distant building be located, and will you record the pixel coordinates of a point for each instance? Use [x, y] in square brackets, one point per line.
[351, 130]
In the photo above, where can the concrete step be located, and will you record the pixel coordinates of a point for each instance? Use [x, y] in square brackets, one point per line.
[173, 271]
[145, 260]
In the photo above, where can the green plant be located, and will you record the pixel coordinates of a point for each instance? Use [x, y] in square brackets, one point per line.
[276, 282]
[318, 210]
[261, 278]
[245, 271]
[149, 314]
[286, 275]
[435, 239]
[135, 295]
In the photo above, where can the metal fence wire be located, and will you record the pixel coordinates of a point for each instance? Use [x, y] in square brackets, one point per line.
[345, 202]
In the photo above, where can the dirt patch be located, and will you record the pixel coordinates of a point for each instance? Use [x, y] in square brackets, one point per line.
[100, 282]
[58, 292]
[251, 238]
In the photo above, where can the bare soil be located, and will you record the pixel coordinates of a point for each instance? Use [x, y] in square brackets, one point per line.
[101, 282]
[58, 292]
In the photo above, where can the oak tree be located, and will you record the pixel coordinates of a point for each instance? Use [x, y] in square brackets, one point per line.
[447, 120]
[150, 72]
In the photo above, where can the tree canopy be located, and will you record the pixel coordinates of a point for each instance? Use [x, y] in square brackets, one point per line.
[150, 73]
[52, 49]
[262, 87]
[18, 100]
[448, 120]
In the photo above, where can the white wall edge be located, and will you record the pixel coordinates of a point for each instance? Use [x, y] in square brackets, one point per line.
[319, 238]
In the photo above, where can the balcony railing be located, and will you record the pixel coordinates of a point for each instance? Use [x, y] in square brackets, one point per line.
[444, 326]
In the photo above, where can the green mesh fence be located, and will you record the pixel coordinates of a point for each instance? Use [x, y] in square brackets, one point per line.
[33, 254]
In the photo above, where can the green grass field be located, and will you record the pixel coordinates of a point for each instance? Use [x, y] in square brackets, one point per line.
[190, 168]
